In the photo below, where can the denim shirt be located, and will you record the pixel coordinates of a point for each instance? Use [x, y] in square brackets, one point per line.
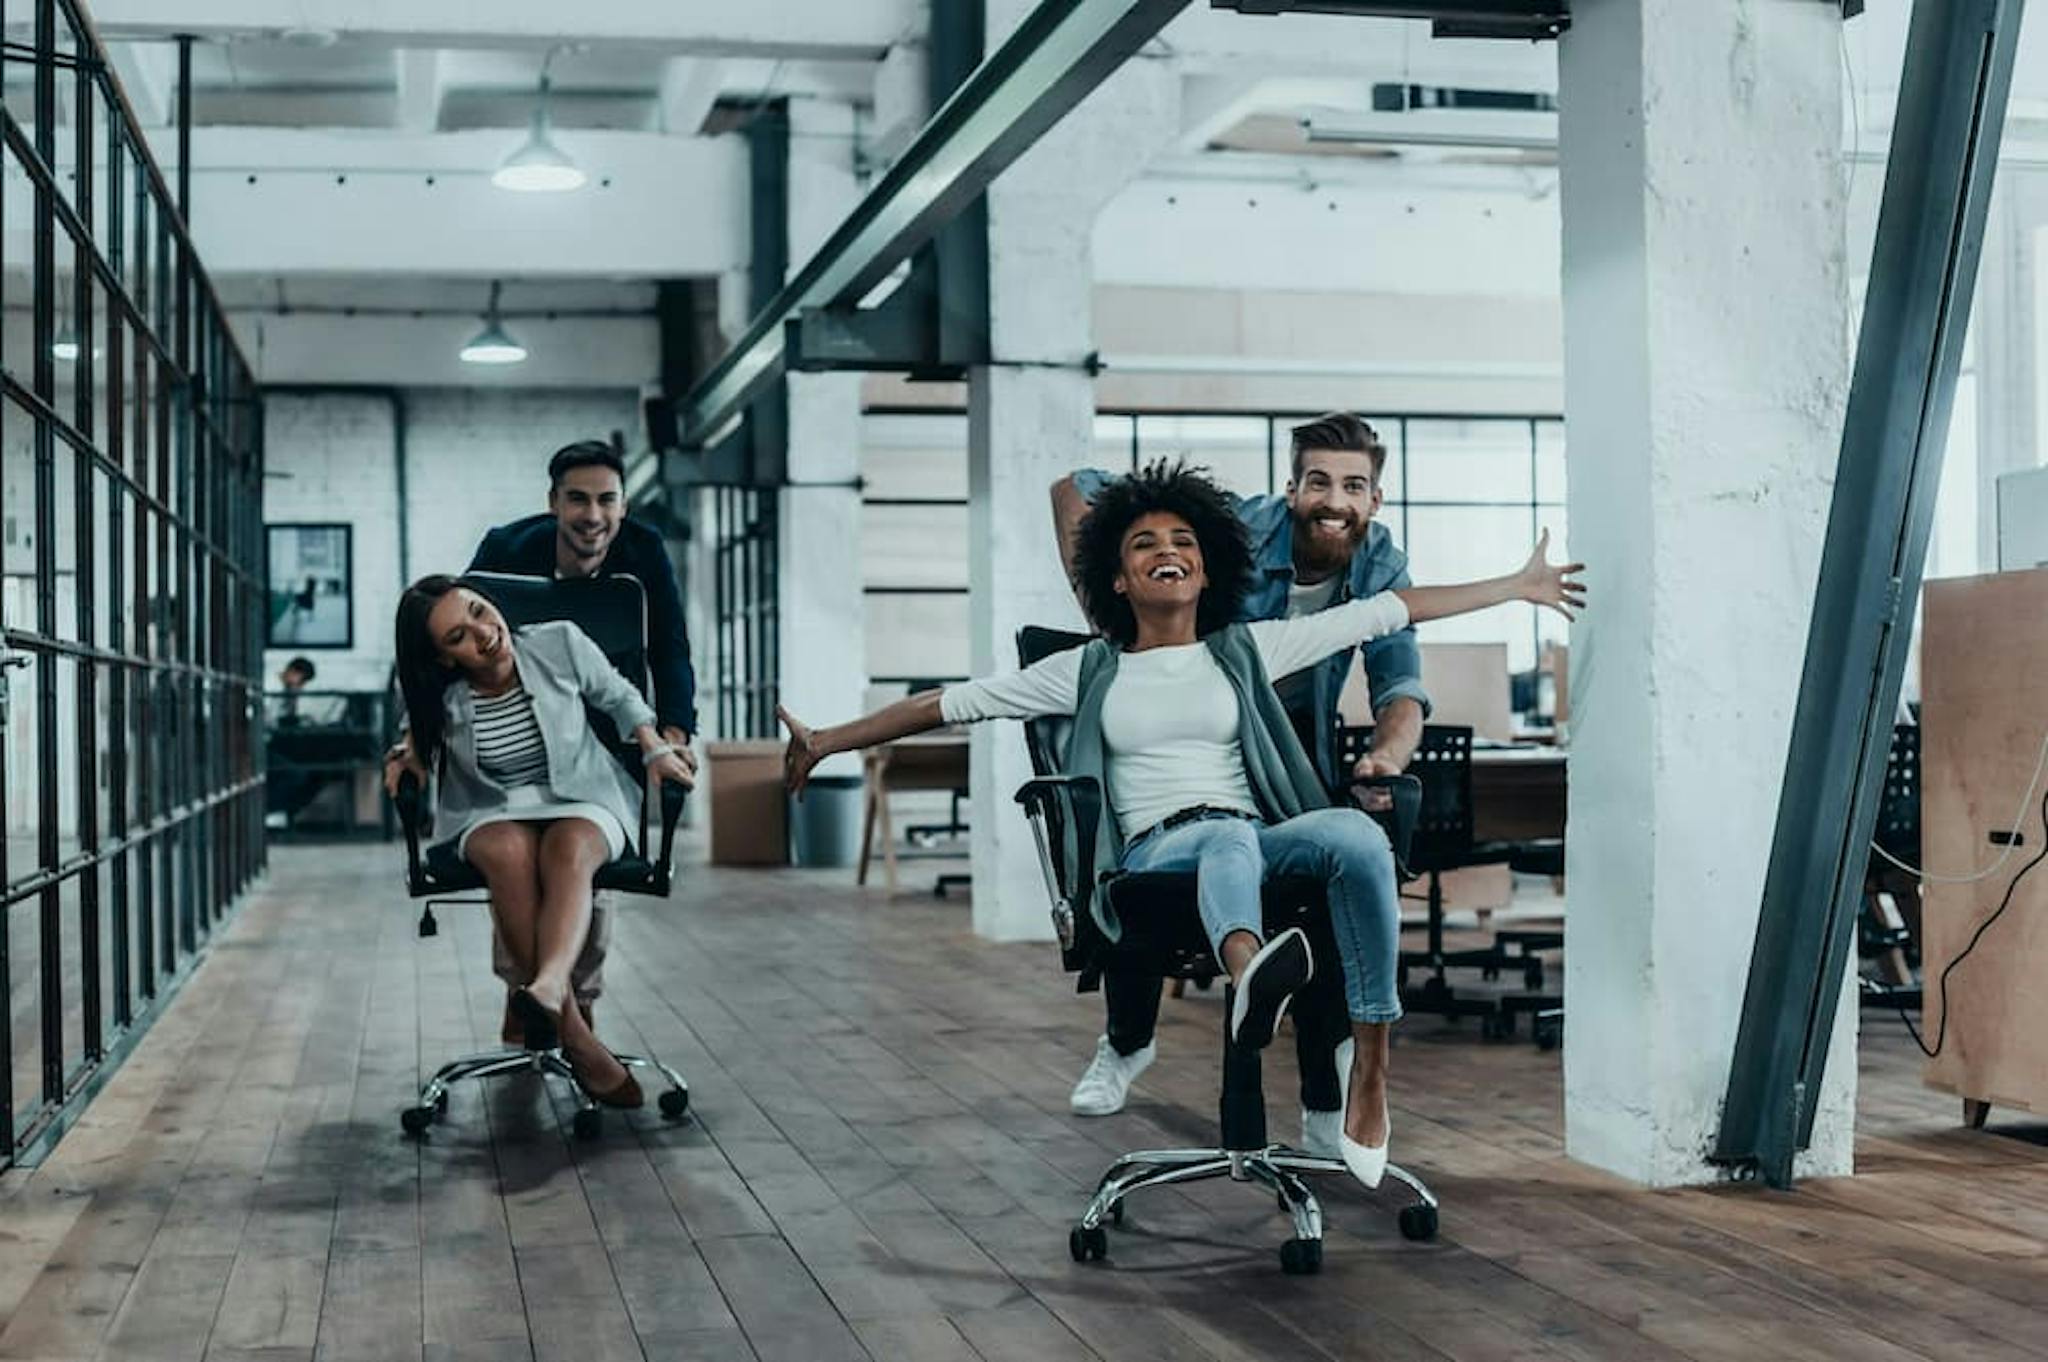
[1393, 663]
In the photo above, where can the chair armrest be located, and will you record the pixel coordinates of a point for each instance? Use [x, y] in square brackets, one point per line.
[672, 797]
[1400, 818]
[411, 803]
[1064, 813]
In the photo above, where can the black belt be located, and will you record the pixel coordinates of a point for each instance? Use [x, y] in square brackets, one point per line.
[1192, 815]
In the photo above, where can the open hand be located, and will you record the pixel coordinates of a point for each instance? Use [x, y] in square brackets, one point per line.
[1555, 585]
[803, 753]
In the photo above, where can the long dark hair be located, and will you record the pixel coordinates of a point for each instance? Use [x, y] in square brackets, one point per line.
[1179, 490]
[422, 676]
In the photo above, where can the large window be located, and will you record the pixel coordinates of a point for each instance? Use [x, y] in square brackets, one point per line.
[1464, 496]
[133, 607]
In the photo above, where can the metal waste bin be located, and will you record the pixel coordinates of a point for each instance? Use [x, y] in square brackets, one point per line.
[824, 826]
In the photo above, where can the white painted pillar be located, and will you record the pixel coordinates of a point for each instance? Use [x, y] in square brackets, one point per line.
[1706, 368]
[823, 631]
[1030, 421]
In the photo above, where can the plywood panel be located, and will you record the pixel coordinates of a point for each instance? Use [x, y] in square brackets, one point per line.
[1984, 691]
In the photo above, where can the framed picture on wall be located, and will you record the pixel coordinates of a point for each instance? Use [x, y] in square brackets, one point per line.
[312, 586]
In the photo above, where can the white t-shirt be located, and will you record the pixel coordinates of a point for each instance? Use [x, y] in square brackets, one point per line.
[1169, 721]
[1304, 600]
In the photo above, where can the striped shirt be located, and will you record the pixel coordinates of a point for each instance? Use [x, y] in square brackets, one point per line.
[509, 747]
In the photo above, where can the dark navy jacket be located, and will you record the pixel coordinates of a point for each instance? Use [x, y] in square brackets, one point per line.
[527, 547]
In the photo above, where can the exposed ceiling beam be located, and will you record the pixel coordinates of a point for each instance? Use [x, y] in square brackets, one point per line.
[422, 81]
[1052, 60]
[827, 29]
[289, 201]
[689, 87]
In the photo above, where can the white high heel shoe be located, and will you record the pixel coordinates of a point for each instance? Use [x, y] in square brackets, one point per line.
[1368, 1163]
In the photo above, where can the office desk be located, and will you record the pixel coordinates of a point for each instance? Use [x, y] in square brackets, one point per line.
[1518, 793]
[930, 761]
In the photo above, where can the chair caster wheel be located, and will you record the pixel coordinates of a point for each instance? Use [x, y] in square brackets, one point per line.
[1088, 1244]
[1116, 1215]
[1548, 1035]
[441, 1104]
[674, 1103]
[1418, 1221]
[587, 1124]
[1301, 1257]
[416, 1120]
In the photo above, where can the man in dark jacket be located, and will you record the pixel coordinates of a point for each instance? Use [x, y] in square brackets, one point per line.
[585, 533]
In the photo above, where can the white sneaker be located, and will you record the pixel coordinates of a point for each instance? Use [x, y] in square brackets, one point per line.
[1321, 1131]
[1107, 1080]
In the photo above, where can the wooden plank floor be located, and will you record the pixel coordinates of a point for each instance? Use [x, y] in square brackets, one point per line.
[882, 1165]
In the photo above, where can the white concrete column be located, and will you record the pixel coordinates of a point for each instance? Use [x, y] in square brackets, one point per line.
[1030, 421]
[1706, 368]
[822, 623]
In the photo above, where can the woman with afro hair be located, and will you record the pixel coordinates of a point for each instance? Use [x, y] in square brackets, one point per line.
[1174, 713]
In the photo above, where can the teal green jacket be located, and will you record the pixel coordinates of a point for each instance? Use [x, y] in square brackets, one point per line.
[1282, 779]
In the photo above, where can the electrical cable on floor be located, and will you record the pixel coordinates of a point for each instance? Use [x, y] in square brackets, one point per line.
[1941, 1032]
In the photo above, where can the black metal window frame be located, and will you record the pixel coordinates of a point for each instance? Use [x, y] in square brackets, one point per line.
[154, 418]
[745, 541]
[1393, 428]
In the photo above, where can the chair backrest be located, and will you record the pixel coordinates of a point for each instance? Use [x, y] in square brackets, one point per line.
[1898, 811]
[1046, 738]
[611, 610]
[1443, 763]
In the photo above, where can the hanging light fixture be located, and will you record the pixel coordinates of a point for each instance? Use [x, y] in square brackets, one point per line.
[539, 166]
[493, 344]
[64, 349]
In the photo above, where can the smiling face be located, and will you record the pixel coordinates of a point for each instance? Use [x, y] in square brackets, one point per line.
[588, 503]
[1333, 498]
[468, 632]
[1162, 563]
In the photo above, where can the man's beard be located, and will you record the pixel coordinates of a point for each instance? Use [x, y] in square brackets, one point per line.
[1324, 553]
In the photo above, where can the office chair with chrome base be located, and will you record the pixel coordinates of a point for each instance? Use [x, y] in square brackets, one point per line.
[612, 610]
[1163, 935]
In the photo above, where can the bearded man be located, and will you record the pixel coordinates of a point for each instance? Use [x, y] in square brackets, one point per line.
[1316, 547]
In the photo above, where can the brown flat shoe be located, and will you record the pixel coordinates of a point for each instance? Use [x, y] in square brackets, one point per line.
[625, 1094]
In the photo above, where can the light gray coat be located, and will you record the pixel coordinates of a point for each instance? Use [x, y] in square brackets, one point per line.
[562, 670]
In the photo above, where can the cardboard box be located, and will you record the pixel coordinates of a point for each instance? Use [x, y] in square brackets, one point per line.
[749, 811]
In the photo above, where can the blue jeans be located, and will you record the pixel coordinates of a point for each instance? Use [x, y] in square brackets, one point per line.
[1343, 848]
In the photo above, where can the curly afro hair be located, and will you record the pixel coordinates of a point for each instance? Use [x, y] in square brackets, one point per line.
[1179, 490]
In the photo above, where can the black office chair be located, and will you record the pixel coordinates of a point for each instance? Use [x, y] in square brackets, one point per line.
[1444, 842]
[612, 610]
[1888, 934]
[1162, 934]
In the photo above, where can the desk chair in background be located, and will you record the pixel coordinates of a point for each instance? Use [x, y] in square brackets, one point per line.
[1889, 925]
[612, 611]
[1163, 934]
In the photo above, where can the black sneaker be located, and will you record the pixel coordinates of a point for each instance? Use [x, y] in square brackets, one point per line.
[1282, 966]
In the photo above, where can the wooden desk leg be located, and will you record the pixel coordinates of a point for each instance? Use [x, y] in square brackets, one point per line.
[888, 830]
[869, 800]
[1975, 1113]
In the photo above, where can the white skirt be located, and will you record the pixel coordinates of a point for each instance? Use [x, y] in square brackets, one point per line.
[537, 804]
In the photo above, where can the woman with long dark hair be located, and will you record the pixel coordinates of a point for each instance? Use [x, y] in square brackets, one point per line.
[1175, 714]
[528, 792]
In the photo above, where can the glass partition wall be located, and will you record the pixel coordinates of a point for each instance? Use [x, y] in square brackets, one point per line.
[1465, 496]
[130, 517]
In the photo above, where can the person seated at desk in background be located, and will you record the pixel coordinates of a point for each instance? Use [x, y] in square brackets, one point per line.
[1315, 548]
[299, 758]
[586, 532]
[1175, 714]
[528, 792]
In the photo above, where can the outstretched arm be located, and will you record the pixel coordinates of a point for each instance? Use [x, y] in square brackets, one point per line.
[1068, 507]
[1539, 582]
[808, 746]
